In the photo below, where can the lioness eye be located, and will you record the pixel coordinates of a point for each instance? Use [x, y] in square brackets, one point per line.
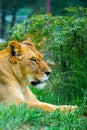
[33, 59]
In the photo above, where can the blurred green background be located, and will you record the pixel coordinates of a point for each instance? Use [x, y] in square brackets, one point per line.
[16, 11]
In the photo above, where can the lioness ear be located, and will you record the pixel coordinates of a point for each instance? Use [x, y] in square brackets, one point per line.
[14, 48]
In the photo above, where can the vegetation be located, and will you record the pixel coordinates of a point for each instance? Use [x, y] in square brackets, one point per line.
[12, 12]
[66, 44]
[63, 41]
[22, 118]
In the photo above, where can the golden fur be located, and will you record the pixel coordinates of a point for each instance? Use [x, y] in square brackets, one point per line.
[21, 65]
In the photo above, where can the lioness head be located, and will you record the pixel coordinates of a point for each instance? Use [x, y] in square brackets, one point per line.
[27, 63]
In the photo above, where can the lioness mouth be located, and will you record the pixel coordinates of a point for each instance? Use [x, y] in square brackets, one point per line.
[36, 82]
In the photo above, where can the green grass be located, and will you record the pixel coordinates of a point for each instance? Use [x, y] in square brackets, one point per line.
[22, 118]
[13, 117]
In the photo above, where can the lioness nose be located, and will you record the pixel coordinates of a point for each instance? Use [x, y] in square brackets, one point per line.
[47, 72]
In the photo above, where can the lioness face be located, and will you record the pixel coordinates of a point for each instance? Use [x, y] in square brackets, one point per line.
[28, 64]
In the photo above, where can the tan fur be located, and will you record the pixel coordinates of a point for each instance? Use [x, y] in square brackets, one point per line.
[17, 65]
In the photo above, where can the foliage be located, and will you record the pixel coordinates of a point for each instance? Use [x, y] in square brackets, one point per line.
[66, 44]
[3, 46]
[58, 6]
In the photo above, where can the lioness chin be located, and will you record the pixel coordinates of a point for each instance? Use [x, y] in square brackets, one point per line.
[20, 65]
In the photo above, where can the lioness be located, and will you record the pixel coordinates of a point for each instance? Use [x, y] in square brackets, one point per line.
[21, 65]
